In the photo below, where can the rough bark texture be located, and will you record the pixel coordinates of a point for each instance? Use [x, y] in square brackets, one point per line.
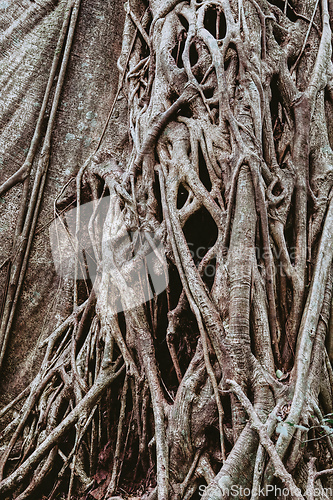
[211, 133]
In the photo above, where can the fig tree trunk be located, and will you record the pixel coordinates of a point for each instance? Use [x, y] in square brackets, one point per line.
[167, 249]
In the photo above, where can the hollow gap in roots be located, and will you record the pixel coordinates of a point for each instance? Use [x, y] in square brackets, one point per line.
[184, 22]
[274, 106]
[201, 62]
[157, 203]
[186, 332]
[200, 491]
[200, 241]
[209, 273]
[185, 111]
[162, 351]
[280, 4]
[182, 196]
[144, 47]
[209, 92]
[187, 341]
[215, 22]
[193, 54]
[203, 171]
[289, 230]
[177, 51]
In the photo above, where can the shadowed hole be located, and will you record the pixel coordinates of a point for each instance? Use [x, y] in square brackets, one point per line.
[200, 240]
[182, 196]
[289, 231]
[215, 23]
[193, 55]
[200, 491]
[203, 171]
[185, 111]
[177, 51]
[280, 34]
[209, 273]
[277, 189]
[280, 4]
[274, 107]
[158, 204]
[184, 21]
[209, 92]
[231, 56]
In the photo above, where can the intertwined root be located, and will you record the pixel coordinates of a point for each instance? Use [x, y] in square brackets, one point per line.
[225, 149]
